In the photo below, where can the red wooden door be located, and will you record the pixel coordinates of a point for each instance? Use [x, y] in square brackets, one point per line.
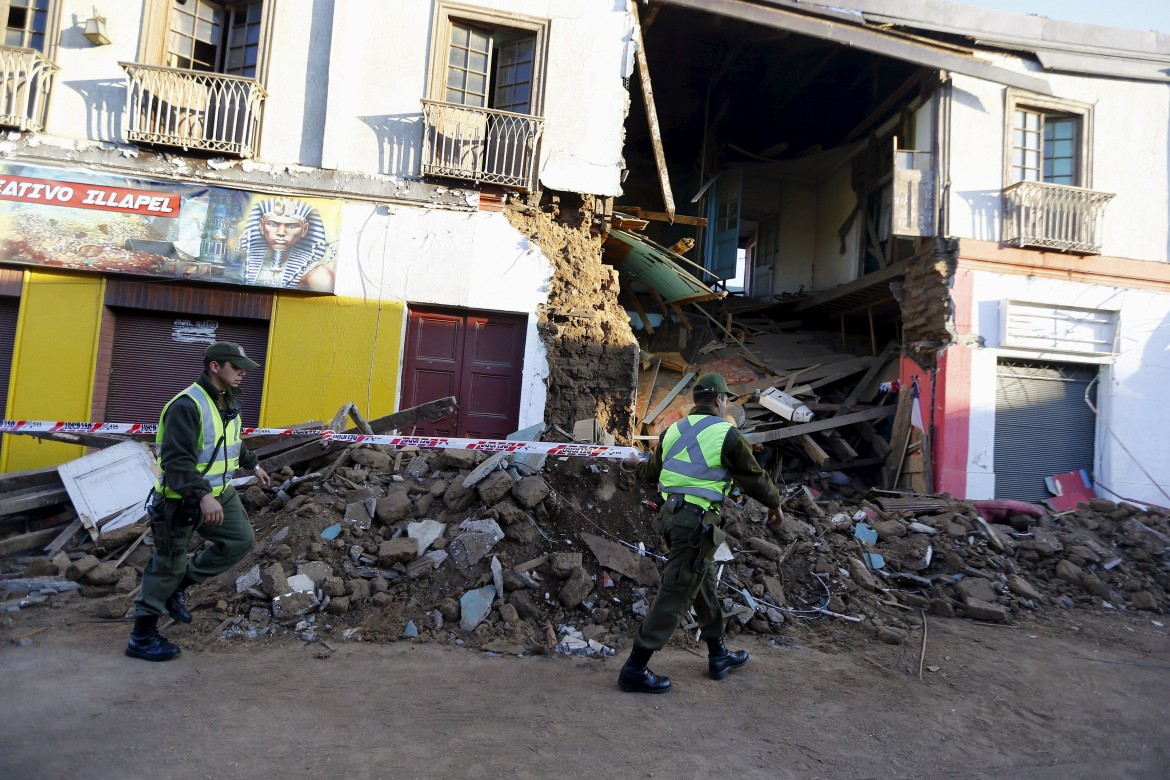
[477, 357]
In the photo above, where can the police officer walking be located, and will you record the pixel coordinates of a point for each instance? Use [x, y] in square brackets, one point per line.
[694, 465]
[199, 450]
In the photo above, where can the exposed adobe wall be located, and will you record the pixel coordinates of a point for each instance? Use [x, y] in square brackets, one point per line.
[928, 313]
[592, 353]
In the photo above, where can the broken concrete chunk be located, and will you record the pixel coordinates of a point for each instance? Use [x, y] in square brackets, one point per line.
[484, 526]
[293, 604]
[249, 579]
[300, 583]
[417, 468]
[425, 532]
[530, 491]
[474, 606]
[468, 549]
[616, 557]
[358, 514]
[480, 472]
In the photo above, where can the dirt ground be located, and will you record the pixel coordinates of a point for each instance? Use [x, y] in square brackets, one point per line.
[1071, 695]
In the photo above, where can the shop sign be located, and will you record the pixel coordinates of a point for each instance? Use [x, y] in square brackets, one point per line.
[90, 221]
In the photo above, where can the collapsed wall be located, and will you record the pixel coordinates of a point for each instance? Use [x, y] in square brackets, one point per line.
[928, 313]
[591, 350]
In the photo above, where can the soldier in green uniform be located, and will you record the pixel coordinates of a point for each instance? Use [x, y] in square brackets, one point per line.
[694, 465]
[199, 450]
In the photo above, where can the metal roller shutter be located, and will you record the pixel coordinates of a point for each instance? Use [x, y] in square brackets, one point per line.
[1042, 426]
[9, 309]
[149, 364]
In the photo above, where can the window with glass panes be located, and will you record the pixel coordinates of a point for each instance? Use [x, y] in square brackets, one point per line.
[1045, 147]
[483, 62]
[215, 37]
[25, 22]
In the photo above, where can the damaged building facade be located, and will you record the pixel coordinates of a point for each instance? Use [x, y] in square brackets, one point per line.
[987, 190]
[377, 223]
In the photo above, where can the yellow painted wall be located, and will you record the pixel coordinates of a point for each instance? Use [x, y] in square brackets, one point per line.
[324, 352]
[53, 362]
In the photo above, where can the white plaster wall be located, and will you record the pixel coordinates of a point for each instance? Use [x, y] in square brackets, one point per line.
[1131, 392]
[469, 260]
[797, 242]
[374, 114]
[835, 200]
[346, 78]
[1131, 158]
[89, 93]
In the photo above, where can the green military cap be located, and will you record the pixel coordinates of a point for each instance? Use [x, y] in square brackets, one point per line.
[229, 352]
[712, 383]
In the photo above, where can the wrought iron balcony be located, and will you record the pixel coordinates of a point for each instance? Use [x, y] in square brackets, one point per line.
[192, 109]
[25, 80]
[480, 144]
[1054, 216]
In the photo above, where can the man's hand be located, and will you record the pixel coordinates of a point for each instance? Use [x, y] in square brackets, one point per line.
[212, 511]
[775, 517]
[262, 475]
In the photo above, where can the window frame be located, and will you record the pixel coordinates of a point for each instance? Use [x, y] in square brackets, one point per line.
[447, 12]
[52, 27]
[1018, 99]
[153, 47]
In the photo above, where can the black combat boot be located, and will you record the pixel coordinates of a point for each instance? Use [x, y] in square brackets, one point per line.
[720, 660]
[176, 603]
[636, 678]
[147, 644]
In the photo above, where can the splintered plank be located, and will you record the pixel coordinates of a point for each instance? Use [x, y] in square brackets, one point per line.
[828, 423]
[899, 437]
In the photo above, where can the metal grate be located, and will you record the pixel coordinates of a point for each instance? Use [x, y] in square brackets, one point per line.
[1042, 426]
[26, 78]
[480, 144]
[1054, 216]
[192, 109]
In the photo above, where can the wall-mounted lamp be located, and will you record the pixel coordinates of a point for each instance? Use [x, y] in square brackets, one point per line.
[95, 30]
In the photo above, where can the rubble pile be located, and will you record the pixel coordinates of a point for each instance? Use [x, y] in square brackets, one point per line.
[458, 546]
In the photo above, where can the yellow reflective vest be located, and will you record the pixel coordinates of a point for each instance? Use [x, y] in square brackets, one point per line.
[217, 473]
[692, 460]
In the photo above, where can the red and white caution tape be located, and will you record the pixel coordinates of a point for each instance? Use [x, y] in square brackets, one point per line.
[423, 442]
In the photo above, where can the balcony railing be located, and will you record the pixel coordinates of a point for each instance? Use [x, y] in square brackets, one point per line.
[192, 109]
[25, 80]
[480, 144]
[1054, 216]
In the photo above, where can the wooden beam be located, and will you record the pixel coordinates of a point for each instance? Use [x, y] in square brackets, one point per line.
[629, 295]
[658, 216]
[877, 365]
[813, 450]
[669, 397]
[876, 413]
[651, 111]
[899, 437]
[33, 498]
[28, 541]
[432, 410]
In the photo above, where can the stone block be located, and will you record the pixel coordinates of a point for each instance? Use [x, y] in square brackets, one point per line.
[765, 548]
[299, 583]
[494, 486]
[890, 529]
[976, 588]
[400, 550]
[1022, 588]
[425, 533]
[357, 589]
[293, 604]
[458, 498]
[507, 512]
[530, 491]
[338, 605]
[333, 586]
[474, 606]
[860, 574]
[978, 609]
[393, 507]
[81, 567]
[891, 635]
[576, 588]
[104, 574]
[273, 580]
[374, 460]
[562, 565]
[249, 579]
[418, 467]
[1069, 572]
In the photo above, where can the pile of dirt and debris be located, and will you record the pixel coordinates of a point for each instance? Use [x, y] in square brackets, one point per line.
[496, 552]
